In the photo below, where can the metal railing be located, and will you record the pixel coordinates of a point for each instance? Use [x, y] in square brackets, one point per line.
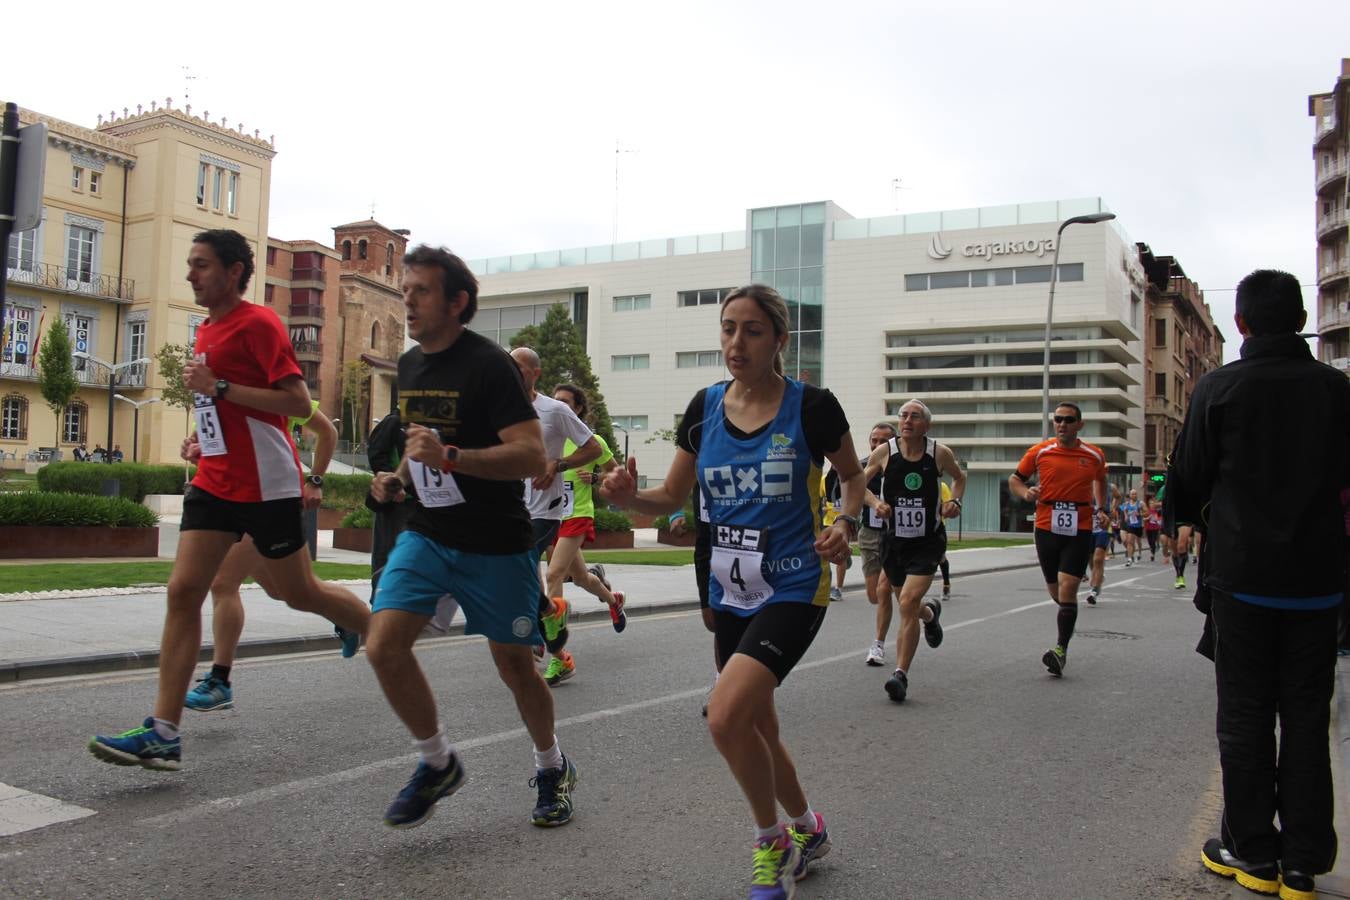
[314, 347]
[74, 281]
[91, 375]
[302, 309]
[1330, 173]
[1330, 222]
[1333, 269]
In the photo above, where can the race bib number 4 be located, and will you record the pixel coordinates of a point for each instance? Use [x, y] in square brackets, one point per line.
[1064, 518]
[435, 489]
[911, 519]
[737, 560]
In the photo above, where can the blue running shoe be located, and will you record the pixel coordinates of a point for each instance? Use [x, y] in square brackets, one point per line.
[812, 844]
[775, 861]
[139, 747]
[555, 795]
[416, 802]
[351, 641]
[209, 695]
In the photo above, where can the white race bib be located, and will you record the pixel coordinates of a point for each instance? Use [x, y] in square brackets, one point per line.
[838, 505]
[569, 499]
[737, 557]
[1064, 518]
[210, 436]
[435, 488]
[874, 520]
[911, 519]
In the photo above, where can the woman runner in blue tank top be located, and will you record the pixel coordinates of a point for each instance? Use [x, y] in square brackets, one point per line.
[755, 445]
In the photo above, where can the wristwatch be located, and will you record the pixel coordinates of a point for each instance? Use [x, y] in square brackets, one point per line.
[562, 465]
[451, 457]
[316, 480]
[850, 521]
[221, 387]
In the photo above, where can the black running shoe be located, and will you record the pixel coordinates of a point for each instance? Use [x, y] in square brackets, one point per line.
[932, 631]
[897, 686]
[1295, 885]
[1263, 878]
[1092, 597]
[417, 801]
[555, 795]
[1055, 660]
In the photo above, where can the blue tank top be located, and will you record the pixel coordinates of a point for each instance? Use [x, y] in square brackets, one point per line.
[763, 495]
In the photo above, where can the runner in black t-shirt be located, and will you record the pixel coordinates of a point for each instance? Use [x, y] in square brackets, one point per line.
[472, 435]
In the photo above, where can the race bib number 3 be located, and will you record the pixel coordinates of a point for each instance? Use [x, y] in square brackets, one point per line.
[911, 519]
[737, 560]
[1064, 518]
[569, 499]
[435, 489]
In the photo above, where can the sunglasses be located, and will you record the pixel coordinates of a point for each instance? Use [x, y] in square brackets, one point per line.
[1060, 420]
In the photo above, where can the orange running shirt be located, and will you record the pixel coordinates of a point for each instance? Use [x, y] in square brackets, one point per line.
[1066, 474]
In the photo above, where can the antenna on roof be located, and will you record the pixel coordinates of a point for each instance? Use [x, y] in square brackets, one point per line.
[618, 149]
[188, 78]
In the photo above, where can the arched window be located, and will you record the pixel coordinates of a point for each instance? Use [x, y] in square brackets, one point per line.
[361, 249]
[75, 423]
[14, 418]
[346, 249]
[375, 336]
[389, 258]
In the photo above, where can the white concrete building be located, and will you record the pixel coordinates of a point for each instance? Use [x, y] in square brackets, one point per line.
[945, 306]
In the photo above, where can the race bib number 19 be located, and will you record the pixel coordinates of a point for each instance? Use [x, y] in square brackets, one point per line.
[435, 488]
[1064, 518]
[911, 519]
[737, 557]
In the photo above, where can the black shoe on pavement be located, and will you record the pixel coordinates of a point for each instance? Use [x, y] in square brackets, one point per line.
[932, 631]
[897, 686]
[1295, 885]
[1264, 878]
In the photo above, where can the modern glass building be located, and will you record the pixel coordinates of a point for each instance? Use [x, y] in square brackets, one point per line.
[946, 306]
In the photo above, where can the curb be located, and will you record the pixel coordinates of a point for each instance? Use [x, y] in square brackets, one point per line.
[133, 660]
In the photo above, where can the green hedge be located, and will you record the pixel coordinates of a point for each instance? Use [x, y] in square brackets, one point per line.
[42, 508]
[135, 479]
[361, 517]
[609, 520]
[345, 491]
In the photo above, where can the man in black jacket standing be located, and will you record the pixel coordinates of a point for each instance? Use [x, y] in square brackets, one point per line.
[1260, 464]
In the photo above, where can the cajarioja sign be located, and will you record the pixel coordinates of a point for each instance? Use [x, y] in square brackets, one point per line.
[987, 250]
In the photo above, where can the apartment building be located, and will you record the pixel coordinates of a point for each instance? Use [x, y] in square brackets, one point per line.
[1331, 159]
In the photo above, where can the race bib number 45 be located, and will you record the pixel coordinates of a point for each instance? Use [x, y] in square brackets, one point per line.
[435, 488]
[737, 561]
[210, 437]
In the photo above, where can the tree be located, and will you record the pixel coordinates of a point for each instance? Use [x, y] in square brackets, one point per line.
[171, 359]
[355, 393]
[56, 373]
[563, 358]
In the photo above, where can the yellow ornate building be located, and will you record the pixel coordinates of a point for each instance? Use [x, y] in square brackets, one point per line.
[121, 203]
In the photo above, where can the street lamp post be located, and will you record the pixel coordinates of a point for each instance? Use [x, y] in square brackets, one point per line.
[1089, 219]
[135, 422]
[113, 369]
[625, 439]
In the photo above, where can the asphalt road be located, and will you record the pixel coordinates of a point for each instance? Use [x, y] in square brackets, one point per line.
[992, 780]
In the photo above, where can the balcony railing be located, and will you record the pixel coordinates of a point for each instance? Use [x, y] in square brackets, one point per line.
[314, 347]
[73, 281]
[308, 273]
[1336, 268]
[91, 375]
[1330, 222]
[1336, 317]
[1330, 173]
[1326, 124]
[302, 309]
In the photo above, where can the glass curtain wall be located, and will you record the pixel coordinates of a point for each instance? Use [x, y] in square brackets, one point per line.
[787, 252]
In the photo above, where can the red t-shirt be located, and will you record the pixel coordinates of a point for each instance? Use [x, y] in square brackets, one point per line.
[249, 347]
[1066, 474]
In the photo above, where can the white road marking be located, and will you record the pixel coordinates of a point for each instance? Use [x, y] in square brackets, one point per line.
[22, 810]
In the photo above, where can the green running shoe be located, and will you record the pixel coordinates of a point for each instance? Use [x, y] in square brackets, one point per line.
[556, 620]
[1056, 660]
[560, 668]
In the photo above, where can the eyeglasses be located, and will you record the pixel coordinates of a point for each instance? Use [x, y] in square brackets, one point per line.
[1060, 420]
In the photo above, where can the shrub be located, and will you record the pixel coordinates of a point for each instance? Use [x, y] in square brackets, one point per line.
[357, 518]
[135, 480]
[45, 508]
[609, 520]
[345, 491]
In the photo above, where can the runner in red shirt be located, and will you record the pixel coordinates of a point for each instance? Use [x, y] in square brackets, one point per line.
[246, 382]
[1072, 482]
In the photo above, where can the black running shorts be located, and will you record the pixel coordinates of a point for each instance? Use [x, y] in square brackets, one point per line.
[778, 635]
[901, 557]
[1069, 554]
[703, 563]
[274, 525]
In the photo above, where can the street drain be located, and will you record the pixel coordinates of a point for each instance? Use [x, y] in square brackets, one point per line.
[1107, 635]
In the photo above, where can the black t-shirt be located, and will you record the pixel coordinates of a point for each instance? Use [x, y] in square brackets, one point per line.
[823, 420]
[468, 393]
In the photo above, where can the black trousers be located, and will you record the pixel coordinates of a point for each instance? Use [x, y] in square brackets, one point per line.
[1269, 664]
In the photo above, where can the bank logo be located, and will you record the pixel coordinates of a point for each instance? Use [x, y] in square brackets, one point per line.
[780, 447]
[936, 250]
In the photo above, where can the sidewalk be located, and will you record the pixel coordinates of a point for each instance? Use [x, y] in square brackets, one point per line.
[119, 628]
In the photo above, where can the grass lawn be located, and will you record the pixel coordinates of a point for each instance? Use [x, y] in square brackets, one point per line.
[12, 482]
[72, 576]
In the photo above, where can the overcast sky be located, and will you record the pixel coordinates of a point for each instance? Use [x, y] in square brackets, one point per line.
[491, 127]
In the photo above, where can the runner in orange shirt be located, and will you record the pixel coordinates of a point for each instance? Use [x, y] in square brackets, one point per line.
[1071, 477]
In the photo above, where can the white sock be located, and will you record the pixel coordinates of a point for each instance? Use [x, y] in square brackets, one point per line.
[166, 729]
[551, 758]
[880, 645]
[773, 833]
[435, 751]
[806, 821]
